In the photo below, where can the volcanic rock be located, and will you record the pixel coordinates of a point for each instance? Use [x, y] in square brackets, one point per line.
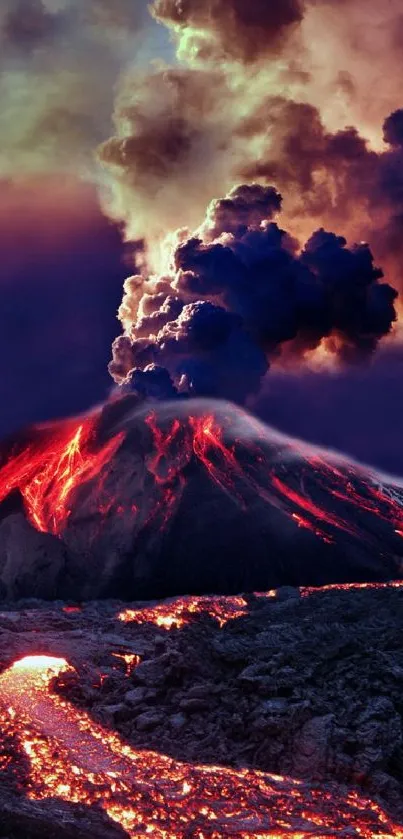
[31, 563]
[328, 706]
[149, 720]
[313, 747]
[24, 819]
[189, 497]
[136, 696]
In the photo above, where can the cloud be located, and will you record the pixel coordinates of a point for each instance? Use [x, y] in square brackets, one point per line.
[240, 291]
[279, 93]
[60, 60]
[355, 410]
[235, 28]
[171, 146]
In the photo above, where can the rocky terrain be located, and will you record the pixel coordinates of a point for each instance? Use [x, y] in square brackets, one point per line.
[298, 683]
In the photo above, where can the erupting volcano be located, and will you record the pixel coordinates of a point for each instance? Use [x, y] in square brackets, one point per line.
[72, 758]
[192, 497]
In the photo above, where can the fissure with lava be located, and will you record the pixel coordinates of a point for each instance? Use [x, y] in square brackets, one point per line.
[51, 468]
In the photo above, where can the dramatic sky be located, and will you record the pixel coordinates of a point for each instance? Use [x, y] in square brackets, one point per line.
[205, 196]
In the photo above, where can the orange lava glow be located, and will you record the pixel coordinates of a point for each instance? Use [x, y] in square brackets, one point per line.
[307, 590]
[179, 612]
[324, 497]
[47, 472]
[131, 660]
[244, 470]
[75, 759]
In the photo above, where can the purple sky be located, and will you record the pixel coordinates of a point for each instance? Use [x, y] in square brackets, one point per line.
[61, 278]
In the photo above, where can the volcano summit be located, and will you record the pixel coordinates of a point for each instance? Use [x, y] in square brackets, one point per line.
[147, 501]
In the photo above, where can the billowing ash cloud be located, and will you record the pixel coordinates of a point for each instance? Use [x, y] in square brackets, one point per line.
[237, 293]
[332, 177]
[276, 92]
[172, 125]
[236, 28]
[60, 61]
[393, 129]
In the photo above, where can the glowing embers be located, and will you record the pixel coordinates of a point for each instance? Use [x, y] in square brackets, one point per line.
[306, 591]
[50, 469]
[180, 612]
[130, 660]
[73, 758]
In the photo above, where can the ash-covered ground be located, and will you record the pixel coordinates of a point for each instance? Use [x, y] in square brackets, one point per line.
[300, 683]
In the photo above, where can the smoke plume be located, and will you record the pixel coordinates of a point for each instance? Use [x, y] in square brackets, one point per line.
[272, 92]
[236, 28]
[237, 293]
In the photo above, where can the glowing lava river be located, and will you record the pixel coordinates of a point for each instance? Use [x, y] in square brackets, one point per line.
[74, 759]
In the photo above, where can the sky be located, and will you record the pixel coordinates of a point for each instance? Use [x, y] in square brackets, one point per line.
[205, 198]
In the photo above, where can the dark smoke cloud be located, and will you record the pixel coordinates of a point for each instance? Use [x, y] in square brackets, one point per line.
[27, 24]
[238, 292]
[239, 28]
[393, 129]
[246, 206]
[300, 154]
[333, 177]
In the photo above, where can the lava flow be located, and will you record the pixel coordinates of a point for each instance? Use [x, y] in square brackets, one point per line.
[244, 468]
[49, 469]
[74, 759]
[180, 611]
[241, 458]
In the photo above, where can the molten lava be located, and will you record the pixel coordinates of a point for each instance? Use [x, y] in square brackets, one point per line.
[76, 760]
[49, 470]
[179, 612]
[244, 468]
[329, 498]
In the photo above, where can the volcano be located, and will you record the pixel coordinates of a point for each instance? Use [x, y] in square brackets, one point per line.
[143, 501]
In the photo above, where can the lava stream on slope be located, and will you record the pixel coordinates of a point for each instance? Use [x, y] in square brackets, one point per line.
[135, 494]
[56, 462]
[75, 759]
[50, 467]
